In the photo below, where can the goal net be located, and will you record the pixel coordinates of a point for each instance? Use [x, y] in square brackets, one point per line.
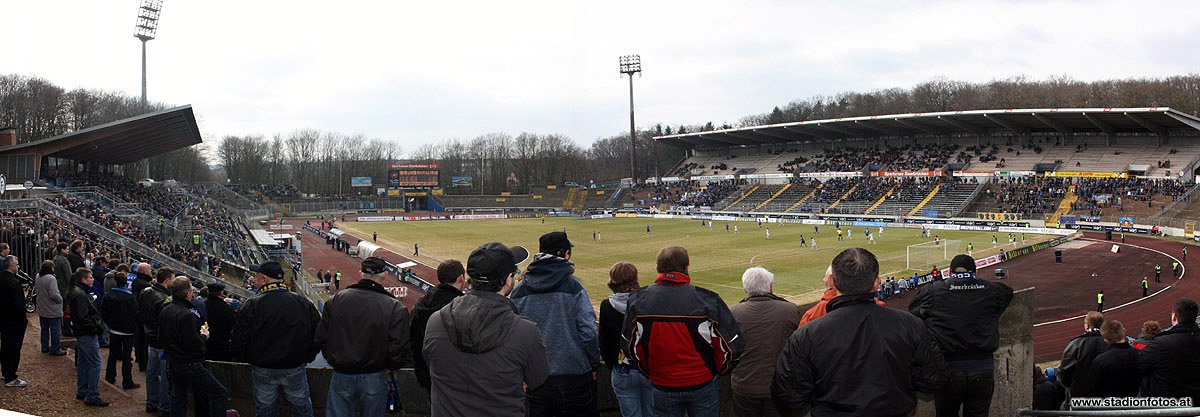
[926, 255]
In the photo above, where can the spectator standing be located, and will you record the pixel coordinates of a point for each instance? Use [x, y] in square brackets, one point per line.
[180, 336]
[482, 355]
[821, 307]
[967, 341]
[1169, 364]
[221, 319]
[452, 281]
[62, 268]
[1048, 394]
[85, 320]
[551, 296]
[1079, 354]
[49, 309]
[120, 313]
[663, 323]
[12, 322]
[873, 370]
[1114, 372]
[150, 303]
[766, 321]
[275, 332]
[1150, 329]
[634, 392]
[143, 278]
[363, 334]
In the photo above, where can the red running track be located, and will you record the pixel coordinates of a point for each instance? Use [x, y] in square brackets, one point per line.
[320, 256]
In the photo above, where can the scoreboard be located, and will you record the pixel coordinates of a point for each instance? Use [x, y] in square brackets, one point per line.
[413, 176]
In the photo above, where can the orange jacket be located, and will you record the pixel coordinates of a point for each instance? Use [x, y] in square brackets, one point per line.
[819, 309]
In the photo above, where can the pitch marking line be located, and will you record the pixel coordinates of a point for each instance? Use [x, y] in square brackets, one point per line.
[1181, 275]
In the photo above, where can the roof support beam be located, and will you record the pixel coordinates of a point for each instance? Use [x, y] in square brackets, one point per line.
[1053, 124]
[795, 136]
[878, 127]
[1007, 124]
[1154, 127]
[812, 132]
[719, 138]
[838, 129]
[964, 125]
[1108, 130]
[921, 127]
[750, 136]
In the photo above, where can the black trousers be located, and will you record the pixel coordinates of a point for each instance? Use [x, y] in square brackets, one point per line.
[141, 349]
[969, 391]
[11, 339]
[120, 348]
[565, 396]
[744, 406]
[194, 375]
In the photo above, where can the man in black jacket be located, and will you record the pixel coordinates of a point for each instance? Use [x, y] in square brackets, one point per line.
[1079, 354]
[179, 334]
[144, 279]
[150, 303]
[967, 340]
[451, 283]
[275, 333]
[1169, 363]
[859, 358]
[12, 321]
[363, 334]
[221, 319]
[120, 313]
[85, 320]
[1115, 373]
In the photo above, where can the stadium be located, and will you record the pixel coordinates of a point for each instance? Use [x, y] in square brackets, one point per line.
[905, 250]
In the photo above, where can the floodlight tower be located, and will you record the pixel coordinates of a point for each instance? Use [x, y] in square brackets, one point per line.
[145, 29]
[631, 64]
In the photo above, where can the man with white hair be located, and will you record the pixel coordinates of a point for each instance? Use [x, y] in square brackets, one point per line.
[766, 322]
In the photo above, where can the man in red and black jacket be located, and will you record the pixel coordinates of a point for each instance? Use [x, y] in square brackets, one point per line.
[682, 337]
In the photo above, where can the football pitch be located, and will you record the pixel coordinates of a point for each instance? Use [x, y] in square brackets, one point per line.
[718, 258]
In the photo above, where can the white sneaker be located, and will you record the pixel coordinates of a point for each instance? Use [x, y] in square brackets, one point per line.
[16, 383]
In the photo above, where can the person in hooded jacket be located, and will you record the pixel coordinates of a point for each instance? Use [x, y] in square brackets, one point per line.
[1150, 329]
[1079, 354]
[551, 296]
[634, 392]
[451, 283]
[221, 319]
[483, 356]
[1169, 364]
[1048, 394]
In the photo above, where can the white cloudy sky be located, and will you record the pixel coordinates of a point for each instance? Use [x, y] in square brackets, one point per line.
[421, 71]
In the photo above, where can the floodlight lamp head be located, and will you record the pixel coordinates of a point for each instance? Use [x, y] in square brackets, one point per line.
[631, 64]
[147, 20]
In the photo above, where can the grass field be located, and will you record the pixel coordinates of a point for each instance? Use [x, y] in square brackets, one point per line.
[718, 258]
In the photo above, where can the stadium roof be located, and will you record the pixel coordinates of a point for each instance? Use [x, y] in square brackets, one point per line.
[120, 142]
[1162, 121]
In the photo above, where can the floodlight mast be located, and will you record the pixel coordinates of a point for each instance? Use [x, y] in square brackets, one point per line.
[631, 64]
[145, 29]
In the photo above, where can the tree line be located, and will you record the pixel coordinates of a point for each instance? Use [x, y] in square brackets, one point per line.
[39, 109]
[322, 162]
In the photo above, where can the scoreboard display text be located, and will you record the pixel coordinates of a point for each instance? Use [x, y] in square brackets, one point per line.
[413, 176]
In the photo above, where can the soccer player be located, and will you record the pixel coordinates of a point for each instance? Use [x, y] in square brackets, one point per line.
[802, 243]
[871, 239]
[814, 243]
[768, 233]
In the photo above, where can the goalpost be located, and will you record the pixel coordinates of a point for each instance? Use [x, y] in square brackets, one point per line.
[925, 255]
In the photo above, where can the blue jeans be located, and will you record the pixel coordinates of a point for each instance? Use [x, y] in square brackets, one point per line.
[87, 367]
[51, 334]
[194, 375]
[702, 402]
[634, 392]
[156, 379]
[294, 382]
[364, 392]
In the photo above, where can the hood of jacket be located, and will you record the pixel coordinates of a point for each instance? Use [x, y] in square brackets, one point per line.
[620, 301]
[547, 272]
[478, 321]
[441, 295]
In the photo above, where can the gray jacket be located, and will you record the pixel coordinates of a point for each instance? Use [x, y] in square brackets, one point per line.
[480, 351]
[49, 300]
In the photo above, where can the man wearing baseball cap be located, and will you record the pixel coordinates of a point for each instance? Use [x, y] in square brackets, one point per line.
[482, 355]
[963, 314]
[363, 334]
[552, 297]
[274, 333]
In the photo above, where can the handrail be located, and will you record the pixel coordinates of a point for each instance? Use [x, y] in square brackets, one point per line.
[971, 198]
[1175, 206]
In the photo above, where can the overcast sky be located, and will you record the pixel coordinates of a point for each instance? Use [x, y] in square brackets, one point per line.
[422, 71]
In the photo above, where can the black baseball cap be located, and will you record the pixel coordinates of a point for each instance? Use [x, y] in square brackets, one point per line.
[374, 265]
[964, 262]
[271, 269]
[493, 262]
[554, 241]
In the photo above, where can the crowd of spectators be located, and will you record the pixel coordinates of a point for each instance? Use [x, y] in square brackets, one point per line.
[707, 196]
[256, 192]
[1097, 194]
[1026, 195]
[913, 157]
